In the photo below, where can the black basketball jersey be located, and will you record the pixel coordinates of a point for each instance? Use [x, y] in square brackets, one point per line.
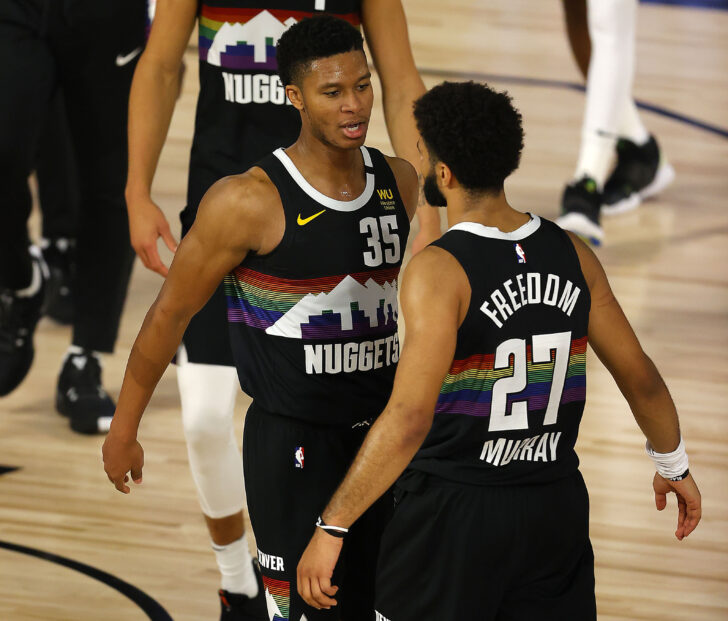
[242, 110]
[509, 409]
[313, 324]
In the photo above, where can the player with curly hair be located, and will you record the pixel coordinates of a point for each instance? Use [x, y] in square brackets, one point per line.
[492, 514]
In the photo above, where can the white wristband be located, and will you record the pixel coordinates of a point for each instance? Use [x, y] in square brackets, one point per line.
[669, 465]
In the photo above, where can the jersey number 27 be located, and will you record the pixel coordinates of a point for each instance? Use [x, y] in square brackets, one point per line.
[542, 346]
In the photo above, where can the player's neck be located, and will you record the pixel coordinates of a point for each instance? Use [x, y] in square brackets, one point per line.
[486, 209]
[330, 165]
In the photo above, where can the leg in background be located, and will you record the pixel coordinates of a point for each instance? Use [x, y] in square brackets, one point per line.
[27, 76]
[609, 87]
[208, 396]
[58, 194]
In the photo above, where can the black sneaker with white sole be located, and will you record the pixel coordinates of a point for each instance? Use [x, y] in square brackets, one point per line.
[19, 315]
[59, 256]
[641, 172]
[80, 395]
[580, 205]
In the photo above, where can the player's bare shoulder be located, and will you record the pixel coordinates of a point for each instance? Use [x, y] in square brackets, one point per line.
[407, 182]
[591, 267]
[435, 274]
[249, 208]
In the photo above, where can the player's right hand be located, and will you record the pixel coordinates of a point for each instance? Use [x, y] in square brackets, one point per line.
[689, 509]
[146, 224]
[122, 456]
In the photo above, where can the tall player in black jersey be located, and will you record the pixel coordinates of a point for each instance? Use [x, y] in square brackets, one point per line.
[492, 519]
[242, 115]
[312, 238]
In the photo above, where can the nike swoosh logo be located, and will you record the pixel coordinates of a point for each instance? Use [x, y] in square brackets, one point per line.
[125, 60]
[303, 221]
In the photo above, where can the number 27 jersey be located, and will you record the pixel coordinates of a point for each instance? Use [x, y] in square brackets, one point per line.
[510, 406]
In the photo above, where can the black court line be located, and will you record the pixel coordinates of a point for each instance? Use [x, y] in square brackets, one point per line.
[150, 606]
[513, 79]
[6, 469]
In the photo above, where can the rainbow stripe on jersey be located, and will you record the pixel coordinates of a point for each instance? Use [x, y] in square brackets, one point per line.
[277, 598]
[245, 39]
[468, 387]
[343, 306]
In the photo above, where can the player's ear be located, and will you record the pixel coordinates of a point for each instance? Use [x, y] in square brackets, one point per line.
[445, 174]
[294, 96]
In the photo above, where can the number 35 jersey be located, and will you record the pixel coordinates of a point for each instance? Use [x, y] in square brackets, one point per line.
[509, 408]
[313, 324]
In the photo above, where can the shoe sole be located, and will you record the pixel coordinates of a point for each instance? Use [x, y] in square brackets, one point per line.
[664, 177]
[583, 227]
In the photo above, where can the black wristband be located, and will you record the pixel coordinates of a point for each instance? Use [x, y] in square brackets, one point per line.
[334, 531]
[680, 477]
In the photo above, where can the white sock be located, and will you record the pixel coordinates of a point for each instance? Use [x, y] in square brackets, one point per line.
[236, 568]
[595, 157]
[75, 350]
[609, 83]
[630, 124]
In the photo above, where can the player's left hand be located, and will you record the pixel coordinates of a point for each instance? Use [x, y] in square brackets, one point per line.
[689, 509]
[316, 568]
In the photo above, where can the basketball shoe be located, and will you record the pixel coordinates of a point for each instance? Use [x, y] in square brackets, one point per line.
[19, 315]
[238, 607]
[58, 254]
[80, 395]
[641, 172]
[580, 206]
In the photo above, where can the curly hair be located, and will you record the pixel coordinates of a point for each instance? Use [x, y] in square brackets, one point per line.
[312, 38]
[473, 129]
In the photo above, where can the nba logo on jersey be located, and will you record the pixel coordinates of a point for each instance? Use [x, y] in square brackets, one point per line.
[299, 457]
[520, 253]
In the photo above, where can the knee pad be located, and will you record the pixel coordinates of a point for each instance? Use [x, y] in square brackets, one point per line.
[208, 394]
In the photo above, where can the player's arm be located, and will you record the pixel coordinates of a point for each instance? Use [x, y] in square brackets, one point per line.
[434, 295]
[385, 29]
[407, 183]
[230, 222]
[152, 98]
[615, 343]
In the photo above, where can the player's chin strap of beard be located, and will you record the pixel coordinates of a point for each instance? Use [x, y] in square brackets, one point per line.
[335, 531]
[671, 466]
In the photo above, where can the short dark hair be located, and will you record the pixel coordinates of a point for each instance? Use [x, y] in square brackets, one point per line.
[473, 129]
[313, 38]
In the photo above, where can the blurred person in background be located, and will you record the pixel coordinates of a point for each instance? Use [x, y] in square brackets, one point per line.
[87, 51]
[602, 36]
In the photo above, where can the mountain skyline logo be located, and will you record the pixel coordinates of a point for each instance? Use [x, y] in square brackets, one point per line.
[261, 33]
[349, 309]
[274, 611]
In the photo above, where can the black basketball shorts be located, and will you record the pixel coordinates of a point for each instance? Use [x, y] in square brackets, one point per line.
[511, 553]
[292, 468]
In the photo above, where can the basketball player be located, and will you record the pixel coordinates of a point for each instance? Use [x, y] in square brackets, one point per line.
[314, 236]
[492, 514]
[88, 50]
[242, 115]
[611, 121]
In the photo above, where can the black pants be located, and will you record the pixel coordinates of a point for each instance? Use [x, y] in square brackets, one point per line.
[509, 553]
[55, 170]
[292, 468]
[83, 48]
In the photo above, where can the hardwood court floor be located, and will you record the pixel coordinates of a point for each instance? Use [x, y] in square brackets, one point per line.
[667, 263]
